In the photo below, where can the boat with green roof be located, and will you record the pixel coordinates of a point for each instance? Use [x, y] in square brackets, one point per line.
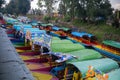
[109, 48]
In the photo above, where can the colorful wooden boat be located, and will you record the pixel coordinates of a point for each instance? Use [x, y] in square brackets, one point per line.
[60, 33]
[114, 75]
[109, 48]
[78, 56]
[84, 54]
[55, 28]
[66, 47]
[11, 21]
[40, 67]
[84, 38]
[46, 62]
[78, 70]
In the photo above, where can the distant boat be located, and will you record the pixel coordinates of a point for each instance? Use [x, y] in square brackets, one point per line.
[84, 38]
[109, 48]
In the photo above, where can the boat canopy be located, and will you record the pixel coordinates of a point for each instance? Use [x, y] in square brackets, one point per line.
[112, 43]
[11, 20]
[85, 54]
[43, 40]
[37, 33]
[59, 45]
[59, 41]
[18, 23]
[49, 24]
[64, 28]
[64, 48]
[56, 38]
[105, 65]
[27, 26]
[30, 29]
[20, 26]
[34, 24]
[89, 35]
[81, 34]
[43, 24]
[15, 26]
[55, 28]
[114, 75]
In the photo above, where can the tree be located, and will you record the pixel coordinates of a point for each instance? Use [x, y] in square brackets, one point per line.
[105, 9]
[23, 6]
[63, 7]
[68, 8]
[72, 8]
[11, 7]
[86, 9]
[48, 4]
[2, 2]
[116, 18]
[18, 7]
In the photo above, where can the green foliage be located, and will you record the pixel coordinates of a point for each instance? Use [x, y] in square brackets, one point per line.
[54, 18]
[86, 9]
[11, 7]
[18, 7]
[48, 4]
[47, 19]
[2, 2]
[24, 6]
[67, 18]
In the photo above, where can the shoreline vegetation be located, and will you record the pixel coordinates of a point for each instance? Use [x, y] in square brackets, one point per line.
[102, 31]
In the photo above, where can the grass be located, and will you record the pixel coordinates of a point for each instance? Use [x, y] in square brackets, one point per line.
[101, 31]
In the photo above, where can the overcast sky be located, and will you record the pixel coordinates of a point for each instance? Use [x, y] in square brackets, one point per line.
[115, 4]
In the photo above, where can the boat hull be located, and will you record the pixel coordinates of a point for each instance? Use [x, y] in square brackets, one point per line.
[108, 54]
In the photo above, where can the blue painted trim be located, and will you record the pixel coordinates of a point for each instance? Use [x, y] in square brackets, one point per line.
[108, 54]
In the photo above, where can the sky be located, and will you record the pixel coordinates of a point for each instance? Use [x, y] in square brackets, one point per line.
[115, 4]
[34, 4]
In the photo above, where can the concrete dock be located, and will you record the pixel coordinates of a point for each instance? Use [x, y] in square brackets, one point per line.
[11, 65]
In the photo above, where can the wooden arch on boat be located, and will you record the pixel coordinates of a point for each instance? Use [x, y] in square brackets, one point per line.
[72, 72]
[105, 65]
